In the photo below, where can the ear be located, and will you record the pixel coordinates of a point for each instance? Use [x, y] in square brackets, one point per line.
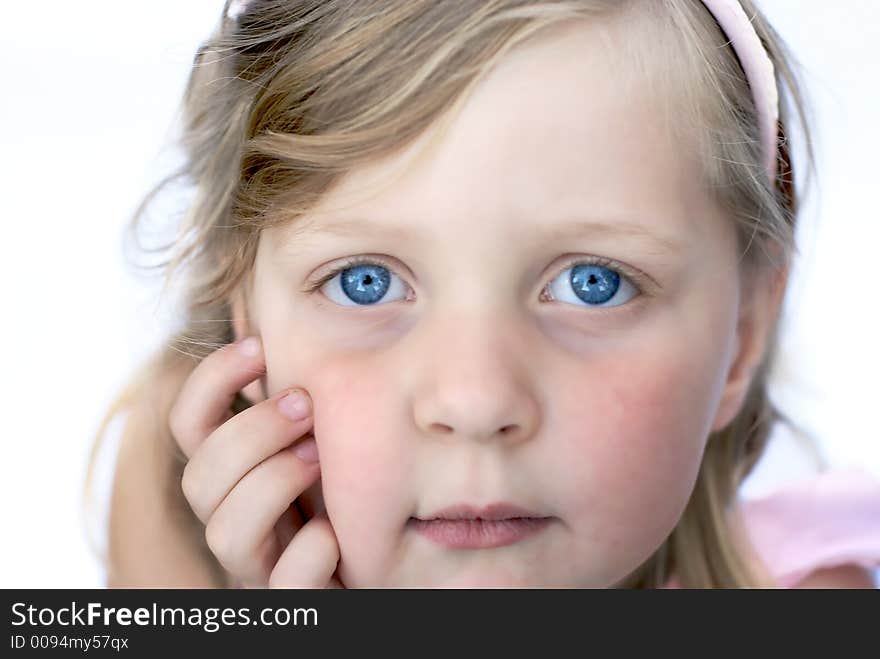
[761, 298]
[242, 327]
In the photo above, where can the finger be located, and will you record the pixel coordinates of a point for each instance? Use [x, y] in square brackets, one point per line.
[289, 524]
[207, 394]
[241, 532]
[311, 558]
[335, 583]
[238, 446]
[312, 501]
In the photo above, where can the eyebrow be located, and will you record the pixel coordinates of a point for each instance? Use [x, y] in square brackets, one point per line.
[565, 229]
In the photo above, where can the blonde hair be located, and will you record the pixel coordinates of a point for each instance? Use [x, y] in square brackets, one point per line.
[280, 104]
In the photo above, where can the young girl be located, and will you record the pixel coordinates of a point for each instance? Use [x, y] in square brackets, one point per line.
[525, 261]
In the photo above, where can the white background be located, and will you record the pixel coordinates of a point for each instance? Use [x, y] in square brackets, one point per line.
[87, 108]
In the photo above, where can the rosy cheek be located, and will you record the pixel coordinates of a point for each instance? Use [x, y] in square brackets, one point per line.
[363, 464]
[634, 443]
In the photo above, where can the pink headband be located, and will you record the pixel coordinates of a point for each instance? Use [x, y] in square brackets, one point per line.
[747, 45]
[758, 68]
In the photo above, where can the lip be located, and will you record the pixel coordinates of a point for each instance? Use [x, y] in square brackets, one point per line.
[494, 511]
[464, 526]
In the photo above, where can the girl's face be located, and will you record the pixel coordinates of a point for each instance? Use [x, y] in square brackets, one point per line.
[482, 356]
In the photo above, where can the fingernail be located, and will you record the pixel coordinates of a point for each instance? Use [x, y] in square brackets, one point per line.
[295, 405]
[307, 450]
[250, 347]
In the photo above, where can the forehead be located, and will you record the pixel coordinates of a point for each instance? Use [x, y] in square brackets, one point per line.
[561, 127]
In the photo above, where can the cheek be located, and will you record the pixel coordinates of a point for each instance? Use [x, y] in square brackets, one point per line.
[634, 426]
[355, 416]
[363, 466]
[360, 453]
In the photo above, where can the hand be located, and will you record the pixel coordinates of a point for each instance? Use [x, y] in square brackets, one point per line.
[244, 472]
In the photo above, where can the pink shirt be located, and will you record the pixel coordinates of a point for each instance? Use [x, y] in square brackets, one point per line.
[820, 521]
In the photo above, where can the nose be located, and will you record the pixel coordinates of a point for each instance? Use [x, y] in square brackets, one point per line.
[473, 383]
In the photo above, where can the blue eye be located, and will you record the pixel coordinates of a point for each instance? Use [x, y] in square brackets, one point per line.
[362, 281]
[362, 285]
[592, 284]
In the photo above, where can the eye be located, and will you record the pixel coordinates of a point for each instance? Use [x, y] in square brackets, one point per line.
[361, 282]
[366, 281]
[592, 284]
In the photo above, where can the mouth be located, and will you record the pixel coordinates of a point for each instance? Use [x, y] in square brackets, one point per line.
[464, 526]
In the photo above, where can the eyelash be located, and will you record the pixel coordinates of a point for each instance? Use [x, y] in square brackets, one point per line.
[636, 278]
[349, 263]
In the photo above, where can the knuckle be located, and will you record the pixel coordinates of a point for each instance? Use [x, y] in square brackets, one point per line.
[191, 488]
[323, 529]
[175, 422]
[275, 578]
[187, 483]
[280, 575]
[220, 543]
[329, 538]
[323, 535]
[181, 428]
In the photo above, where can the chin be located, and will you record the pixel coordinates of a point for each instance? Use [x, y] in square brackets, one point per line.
[475, 577]
[485, 579]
